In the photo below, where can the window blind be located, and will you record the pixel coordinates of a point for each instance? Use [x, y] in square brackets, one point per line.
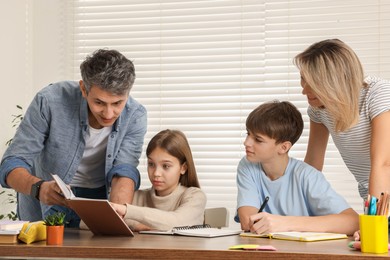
[203, 65]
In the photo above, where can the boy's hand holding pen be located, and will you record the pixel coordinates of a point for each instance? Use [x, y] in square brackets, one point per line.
[263, 206]
[260, 209]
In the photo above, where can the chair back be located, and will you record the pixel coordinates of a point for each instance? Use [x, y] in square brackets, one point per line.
[216, 217]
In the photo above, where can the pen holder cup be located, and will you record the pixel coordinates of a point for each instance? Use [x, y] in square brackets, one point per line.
[374, 234]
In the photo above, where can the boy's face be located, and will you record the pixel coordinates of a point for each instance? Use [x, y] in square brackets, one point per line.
[260, 148]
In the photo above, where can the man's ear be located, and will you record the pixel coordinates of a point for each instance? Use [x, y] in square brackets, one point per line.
[83, 89]
[285, 147]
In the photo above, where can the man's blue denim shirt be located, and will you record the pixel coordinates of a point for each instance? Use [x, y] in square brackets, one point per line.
[51, 139]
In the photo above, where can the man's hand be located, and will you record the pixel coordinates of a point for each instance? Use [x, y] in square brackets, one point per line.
[50, 194]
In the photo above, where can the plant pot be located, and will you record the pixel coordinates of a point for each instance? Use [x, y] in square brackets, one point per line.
[54, 235]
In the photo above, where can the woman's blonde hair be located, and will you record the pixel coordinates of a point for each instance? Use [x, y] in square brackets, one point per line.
[175, 143]
[335, 76]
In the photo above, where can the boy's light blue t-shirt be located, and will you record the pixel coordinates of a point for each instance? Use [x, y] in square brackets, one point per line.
[301, 191]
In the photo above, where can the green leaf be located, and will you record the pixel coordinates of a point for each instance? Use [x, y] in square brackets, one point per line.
[55, 219]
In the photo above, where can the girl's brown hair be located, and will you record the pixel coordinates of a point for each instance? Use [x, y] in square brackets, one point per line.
[175, 143]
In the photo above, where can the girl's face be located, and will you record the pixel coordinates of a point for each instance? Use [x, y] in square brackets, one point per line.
[164, 171]
[311, 98]
[260, 148]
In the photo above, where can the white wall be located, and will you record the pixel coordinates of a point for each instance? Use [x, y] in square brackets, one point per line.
[33, 53]
[15, 81]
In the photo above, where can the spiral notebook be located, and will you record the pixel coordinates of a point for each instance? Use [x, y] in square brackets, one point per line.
[195, 231]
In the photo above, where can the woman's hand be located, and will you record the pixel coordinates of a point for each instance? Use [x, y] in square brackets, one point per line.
[356, 235]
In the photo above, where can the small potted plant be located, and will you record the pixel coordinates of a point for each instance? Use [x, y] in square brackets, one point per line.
[55, 228]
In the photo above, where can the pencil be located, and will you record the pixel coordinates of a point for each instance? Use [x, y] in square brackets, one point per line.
[380, 204]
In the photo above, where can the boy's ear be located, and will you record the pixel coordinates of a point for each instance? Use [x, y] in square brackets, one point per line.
[285, 147]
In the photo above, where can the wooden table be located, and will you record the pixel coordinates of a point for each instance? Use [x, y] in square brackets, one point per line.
[82, 244]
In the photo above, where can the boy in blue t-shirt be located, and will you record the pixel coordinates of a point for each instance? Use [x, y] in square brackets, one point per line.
[299, 196]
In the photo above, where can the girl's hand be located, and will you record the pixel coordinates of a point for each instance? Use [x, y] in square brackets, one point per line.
[141, 227]
[119, 208]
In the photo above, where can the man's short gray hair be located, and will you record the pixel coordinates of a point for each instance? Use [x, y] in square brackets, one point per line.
[108, 69]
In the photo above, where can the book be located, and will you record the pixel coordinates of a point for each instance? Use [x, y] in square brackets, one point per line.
[10, 232]
[298, 236]
[8, 239]
[195, 231]
[11, 224]
[98, 214]
[9, 236]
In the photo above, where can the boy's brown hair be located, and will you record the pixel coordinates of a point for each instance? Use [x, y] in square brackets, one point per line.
[280, 121]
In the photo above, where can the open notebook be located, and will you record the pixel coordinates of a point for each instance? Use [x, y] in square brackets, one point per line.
[99, 216]
[298, 236]
[195, 231]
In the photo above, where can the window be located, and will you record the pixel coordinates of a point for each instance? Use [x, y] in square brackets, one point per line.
[203, 65]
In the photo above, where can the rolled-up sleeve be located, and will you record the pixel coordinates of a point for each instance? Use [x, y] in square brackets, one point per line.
[126, 147]
[8, 165]
[125, 170]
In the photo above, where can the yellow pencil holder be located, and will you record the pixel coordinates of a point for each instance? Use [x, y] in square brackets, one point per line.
[374, 234]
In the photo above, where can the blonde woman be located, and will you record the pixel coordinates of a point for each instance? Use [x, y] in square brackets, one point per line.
[352, 108]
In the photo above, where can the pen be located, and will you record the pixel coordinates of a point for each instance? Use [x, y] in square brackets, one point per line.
[264, 204]
[372, 208]
[369, 202]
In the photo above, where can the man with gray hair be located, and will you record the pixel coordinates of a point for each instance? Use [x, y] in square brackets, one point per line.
[90, 133]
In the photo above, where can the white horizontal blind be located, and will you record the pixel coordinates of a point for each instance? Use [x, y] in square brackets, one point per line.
[203, 65]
